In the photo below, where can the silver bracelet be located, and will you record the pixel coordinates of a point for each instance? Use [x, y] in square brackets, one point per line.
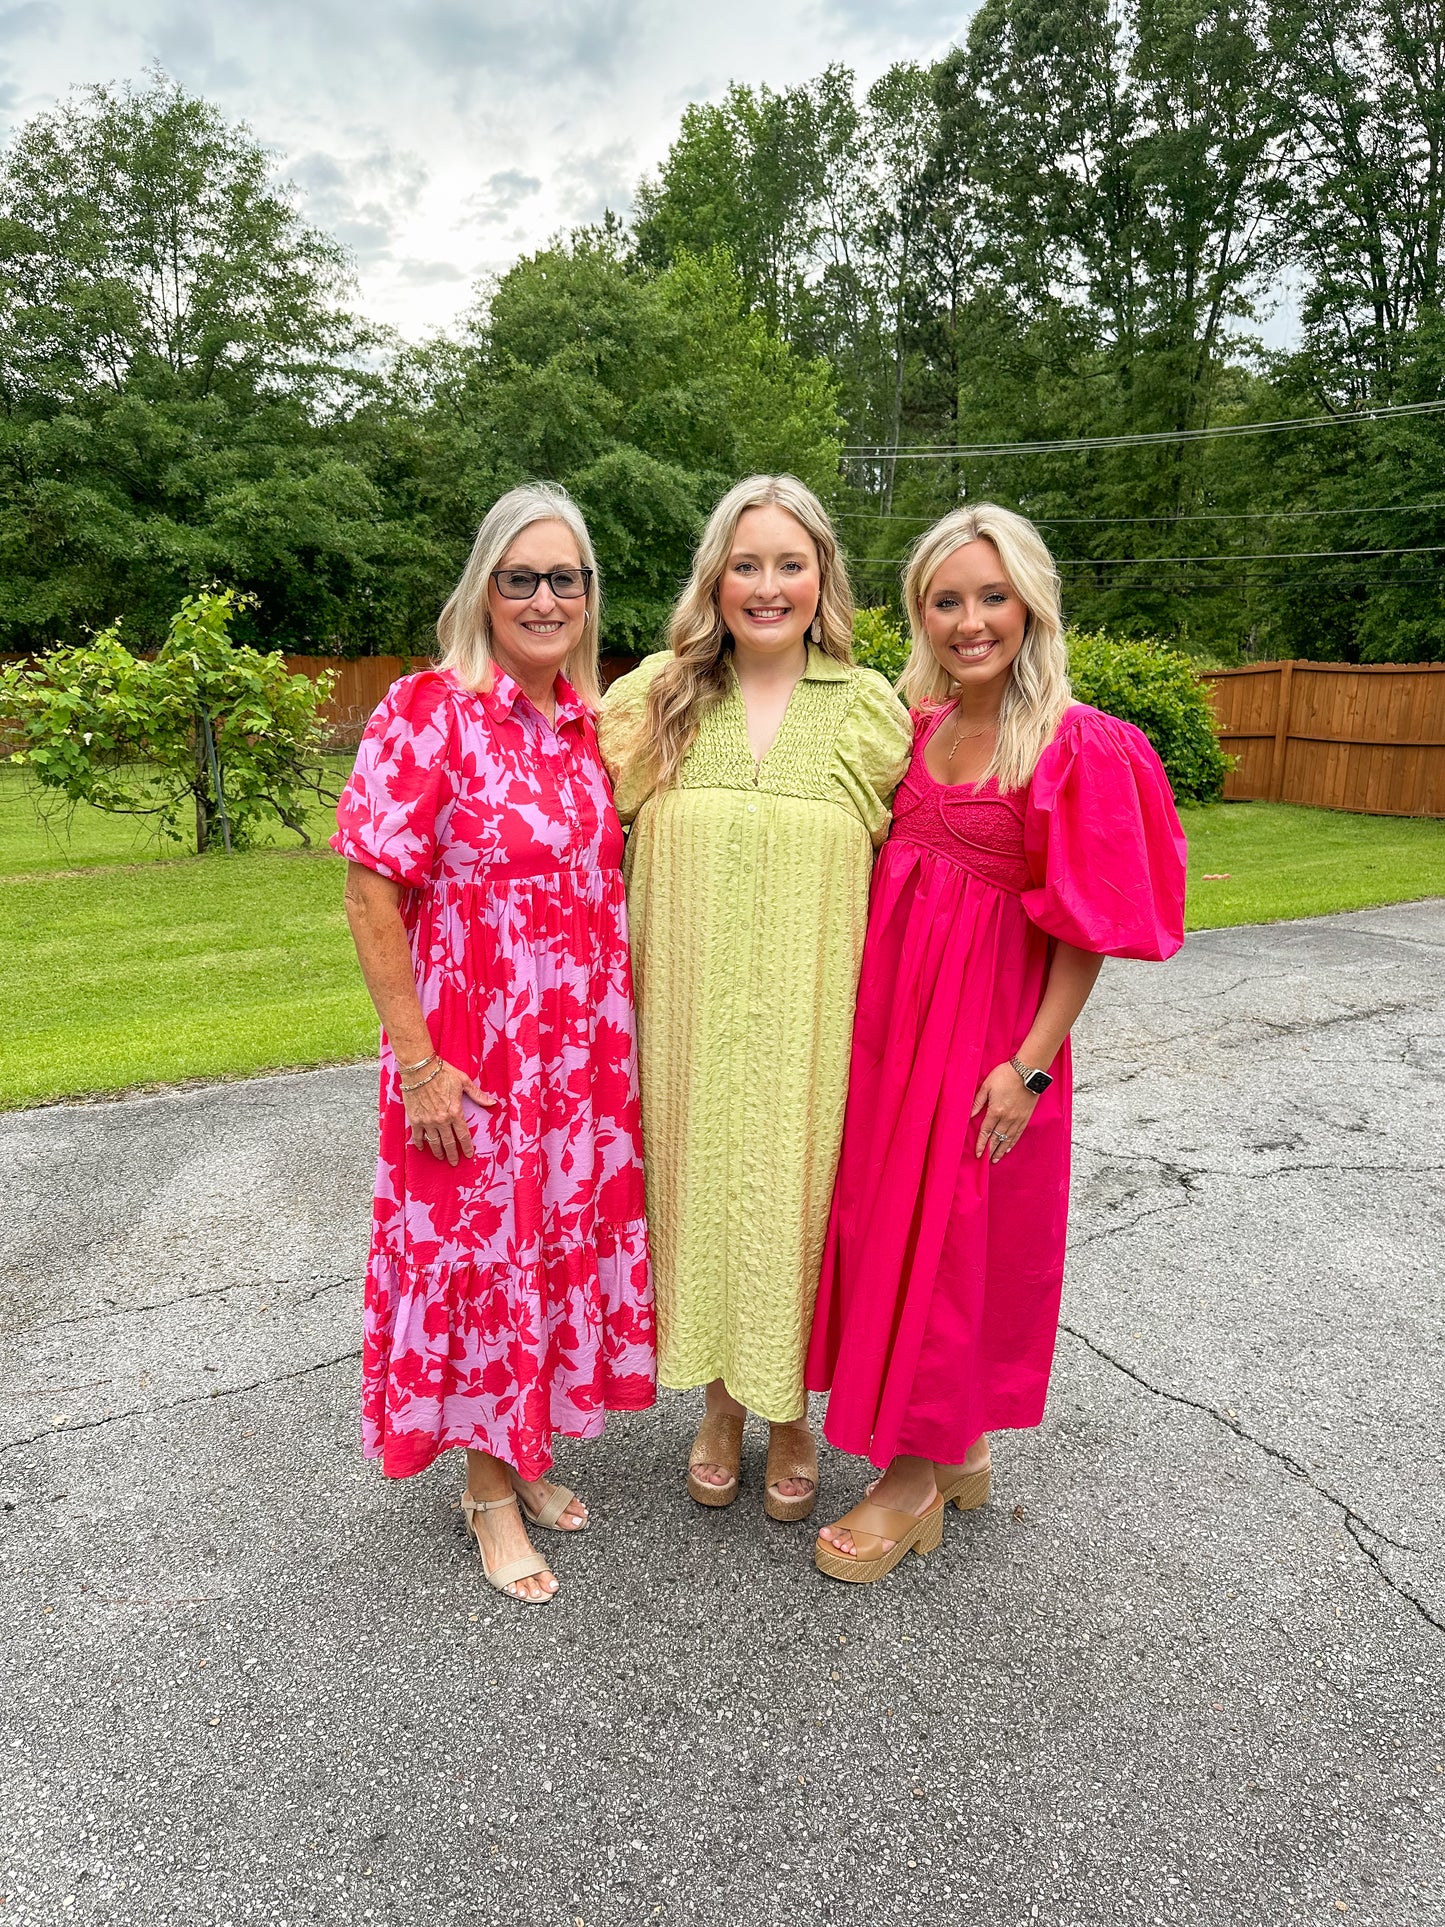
[407, 1089]
[410, 1070]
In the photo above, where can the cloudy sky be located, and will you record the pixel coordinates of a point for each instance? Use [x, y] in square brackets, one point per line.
[439, 139]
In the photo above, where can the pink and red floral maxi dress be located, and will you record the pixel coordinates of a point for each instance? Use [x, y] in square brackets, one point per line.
[938, 1307]
[510, 1297]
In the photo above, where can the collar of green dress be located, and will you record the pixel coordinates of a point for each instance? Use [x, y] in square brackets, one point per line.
[823, 668]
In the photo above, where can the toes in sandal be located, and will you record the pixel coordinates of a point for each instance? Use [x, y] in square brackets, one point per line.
[969, 1490]
[719, 1441]
[869, 1525]
[792, 1454]
[549, 1512]
[529, 1566]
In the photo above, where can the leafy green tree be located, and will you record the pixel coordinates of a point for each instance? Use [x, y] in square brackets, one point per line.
[207, 734]
[745, 176]
[1364, 82]
[178, 390]
[646, 394]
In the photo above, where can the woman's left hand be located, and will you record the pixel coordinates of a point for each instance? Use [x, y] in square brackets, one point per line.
[1007, 1106]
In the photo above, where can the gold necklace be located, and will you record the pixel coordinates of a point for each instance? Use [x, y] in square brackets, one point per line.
[959, 737]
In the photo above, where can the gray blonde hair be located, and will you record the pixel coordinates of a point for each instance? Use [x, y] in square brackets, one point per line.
[697, 674]
[1038, 689]
[464, 627]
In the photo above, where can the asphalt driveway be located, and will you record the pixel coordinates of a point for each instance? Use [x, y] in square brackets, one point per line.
[1187, 1667]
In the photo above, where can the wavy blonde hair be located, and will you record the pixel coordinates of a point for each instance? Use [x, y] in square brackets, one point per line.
[1038, 689]
[701, 648]
[464, 627]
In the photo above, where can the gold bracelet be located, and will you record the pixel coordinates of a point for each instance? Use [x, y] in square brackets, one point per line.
[410, 1070]
[407, 1089]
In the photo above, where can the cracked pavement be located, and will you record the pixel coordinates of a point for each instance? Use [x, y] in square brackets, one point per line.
[1186, 1667]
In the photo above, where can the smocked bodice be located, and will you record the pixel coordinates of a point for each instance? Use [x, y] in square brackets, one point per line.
[973, 825]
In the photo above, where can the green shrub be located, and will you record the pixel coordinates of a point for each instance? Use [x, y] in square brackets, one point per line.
[879, 643]
[1156, 689]
[207, 732]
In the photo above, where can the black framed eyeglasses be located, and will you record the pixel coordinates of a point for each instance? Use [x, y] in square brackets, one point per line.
[520, 585]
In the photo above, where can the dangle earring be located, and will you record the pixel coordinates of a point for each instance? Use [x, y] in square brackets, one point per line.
[815, 631]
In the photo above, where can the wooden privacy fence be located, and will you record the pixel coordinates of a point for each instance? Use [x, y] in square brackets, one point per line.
[1324, 733]
[364, 680]
[360, 685]
[1334, 735]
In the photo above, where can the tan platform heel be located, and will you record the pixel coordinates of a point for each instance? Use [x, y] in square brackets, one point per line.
[869, 1525]
[792, 1454]
[528, 1566]
[969, 1490]
[719, 1441]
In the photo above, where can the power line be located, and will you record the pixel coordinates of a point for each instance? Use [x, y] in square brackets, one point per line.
[1148, 561]
[935, 451]
[1199, 515]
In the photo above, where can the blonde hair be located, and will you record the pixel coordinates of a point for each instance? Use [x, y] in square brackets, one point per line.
[1038, 689]
[464, 627]
[700, 646]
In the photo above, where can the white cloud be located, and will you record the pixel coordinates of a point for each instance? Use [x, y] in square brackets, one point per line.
[440, 138]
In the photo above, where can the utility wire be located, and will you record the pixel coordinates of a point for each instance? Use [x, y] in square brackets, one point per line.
[1065, 445]
[1148, 561]
[1198, 515]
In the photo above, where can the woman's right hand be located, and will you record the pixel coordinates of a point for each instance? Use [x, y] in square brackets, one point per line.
[435, 1115]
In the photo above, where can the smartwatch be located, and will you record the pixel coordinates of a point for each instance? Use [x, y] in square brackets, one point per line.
[1036, 1081]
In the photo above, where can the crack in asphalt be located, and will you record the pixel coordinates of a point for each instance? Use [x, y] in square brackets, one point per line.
[175, 1404]
[1355, 1523]
[1303, 1026]
[181, 1298]
[1390, 936]
[1184, 1174]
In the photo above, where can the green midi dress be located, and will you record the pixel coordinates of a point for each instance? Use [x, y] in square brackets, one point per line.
[747, 898]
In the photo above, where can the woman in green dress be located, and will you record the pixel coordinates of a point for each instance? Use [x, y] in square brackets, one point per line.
[754, 763]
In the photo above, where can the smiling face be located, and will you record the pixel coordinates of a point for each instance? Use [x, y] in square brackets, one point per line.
[769, 588]
[531, 640]
[973, 616]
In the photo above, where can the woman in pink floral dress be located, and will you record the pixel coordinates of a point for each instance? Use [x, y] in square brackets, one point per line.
[508, 1290]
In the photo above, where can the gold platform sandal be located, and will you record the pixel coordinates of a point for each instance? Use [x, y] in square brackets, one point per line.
[869, 1525]
[549, 1513]
[792, 1454]
[528, 1566]
[719, 1441]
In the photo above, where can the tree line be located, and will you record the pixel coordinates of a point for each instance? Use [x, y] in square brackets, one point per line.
[1069, 230]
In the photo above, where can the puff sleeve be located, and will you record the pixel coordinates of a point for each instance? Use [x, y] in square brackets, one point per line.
[1104, 842]
[874, 746]
[402, 786]
[620, 725]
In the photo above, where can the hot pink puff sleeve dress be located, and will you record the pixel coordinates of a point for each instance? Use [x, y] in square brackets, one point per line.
[509, 1297]
[939, 1300]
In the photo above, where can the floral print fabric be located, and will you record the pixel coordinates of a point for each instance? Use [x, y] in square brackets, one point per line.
[510, 1297]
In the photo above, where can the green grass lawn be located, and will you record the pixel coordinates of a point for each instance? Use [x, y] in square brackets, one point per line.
[124, 966]
[1262, 862]
[39, 835]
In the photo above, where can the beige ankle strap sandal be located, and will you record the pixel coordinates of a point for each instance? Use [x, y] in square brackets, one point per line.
[549, 1513]
[869, 1525]
[529, 1566]
[719, 1441]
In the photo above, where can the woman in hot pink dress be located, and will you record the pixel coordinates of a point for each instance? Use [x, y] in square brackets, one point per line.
[508, 1291]
[1032, 837]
